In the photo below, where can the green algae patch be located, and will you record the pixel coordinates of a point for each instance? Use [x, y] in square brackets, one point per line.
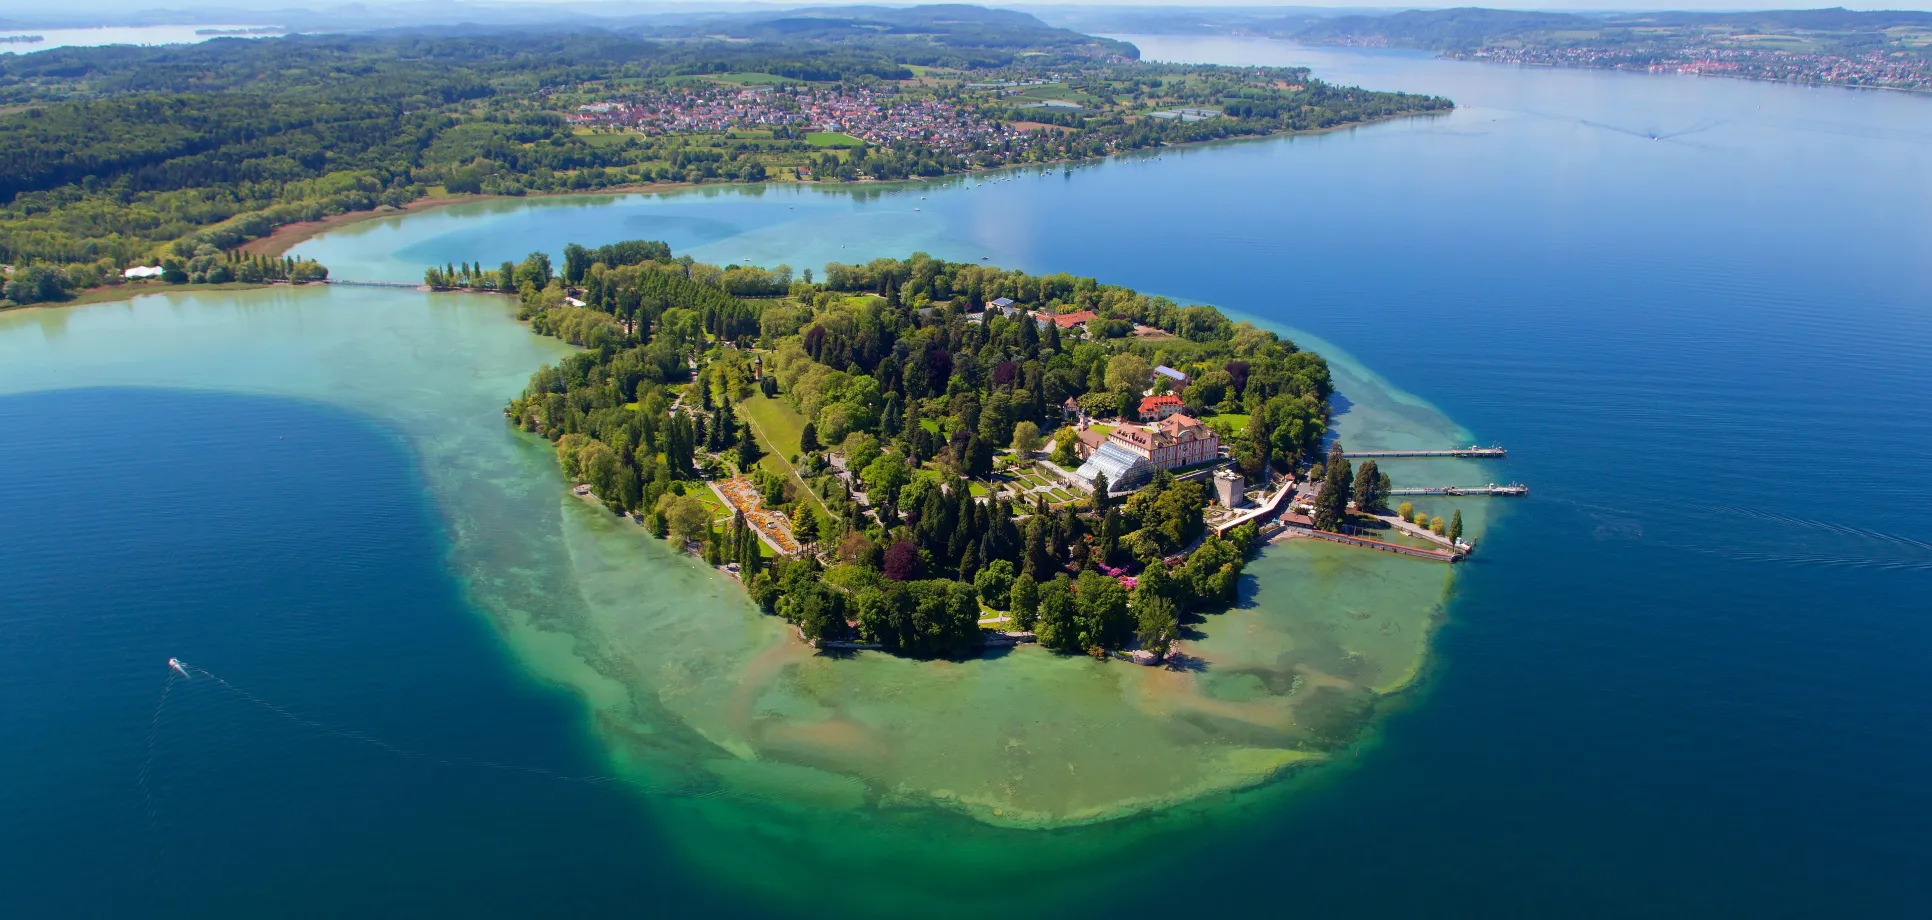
[786, 784]
[1262, 763]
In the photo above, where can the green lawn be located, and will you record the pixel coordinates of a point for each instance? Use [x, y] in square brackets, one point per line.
[776, 420]
[698, 490]
[1236, 422]
[1058, 92]
[832, 139]
[778, 427]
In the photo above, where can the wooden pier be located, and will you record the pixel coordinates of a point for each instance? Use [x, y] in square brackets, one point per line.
[1513, 489]
[1480, 453]
[1434, 555]
[388, 284]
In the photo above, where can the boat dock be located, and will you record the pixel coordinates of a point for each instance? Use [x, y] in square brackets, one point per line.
[1513, 489]
[1482, 453]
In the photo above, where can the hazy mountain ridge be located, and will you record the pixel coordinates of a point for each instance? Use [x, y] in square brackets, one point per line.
[1463, 28]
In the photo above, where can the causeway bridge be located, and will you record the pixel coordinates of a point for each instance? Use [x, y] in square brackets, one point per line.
[1480, 453]
[1418, 552]
[1512, 489]
[386, 284]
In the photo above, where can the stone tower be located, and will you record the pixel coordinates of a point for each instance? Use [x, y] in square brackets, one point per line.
[1230, 488]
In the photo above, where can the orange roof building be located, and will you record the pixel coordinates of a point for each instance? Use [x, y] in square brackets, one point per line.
[1156, 408]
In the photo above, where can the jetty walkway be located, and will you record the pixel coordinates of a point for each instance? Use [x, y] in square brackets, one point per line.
[1266, 511]
[1491, 489]
[388, 284]
[1295, 528]
[1475, 452]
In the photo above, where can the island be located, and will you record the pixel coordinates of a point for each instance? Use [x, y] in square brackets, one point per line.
[929, 457]
[120, 157]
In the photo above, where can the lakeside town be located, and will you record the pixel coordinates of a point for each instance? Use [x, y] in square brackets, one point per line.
[861, 113]
[1883, 68]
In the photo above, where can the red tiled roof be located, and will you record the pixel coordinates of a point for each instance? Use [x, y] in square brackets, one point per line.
[1174, 423]
[1070, 320]
[1138, 437]
[1150, 403]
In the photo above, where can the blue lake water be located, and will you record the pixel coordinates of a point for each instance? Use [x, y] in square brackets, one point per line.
[113, 35]
[1683, 677]
[289, 545]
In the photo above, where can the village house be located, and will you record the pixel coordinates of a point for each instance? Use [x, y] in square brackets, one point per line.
[1155, 408]
[1089, 441]
[1175, 379]
[1076, 318]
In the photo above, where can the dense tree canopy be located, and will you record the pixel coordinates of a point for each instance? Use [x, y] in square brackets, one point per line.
[912, 398]
[122, 155]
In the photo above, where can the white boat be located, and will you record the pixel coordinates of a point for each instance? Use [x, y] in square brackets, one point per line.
[176, 664]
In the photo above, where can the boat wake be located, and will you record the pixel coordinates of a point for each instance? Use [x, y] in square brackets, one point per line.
[1809, 542]
[1780, 539]
[182, 671]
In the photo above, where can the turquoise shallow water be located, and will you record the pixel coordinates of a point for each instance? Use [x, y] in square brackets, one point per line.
[1681, 678]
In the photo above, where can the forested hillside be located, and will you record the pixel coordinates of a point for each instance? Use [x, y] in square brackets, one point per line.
[117, 156]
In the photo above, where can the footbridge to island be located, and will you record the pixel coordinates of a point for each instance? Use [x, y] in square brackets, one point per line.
[1515, 488]
[1477, 453]
[409, 285]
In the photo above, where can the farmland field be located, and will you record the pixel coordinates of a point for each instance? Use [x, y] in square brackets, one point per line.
[832, 139]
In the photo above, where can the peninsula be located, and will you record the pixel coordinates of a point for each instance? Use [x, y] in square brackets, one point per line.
[120, 157]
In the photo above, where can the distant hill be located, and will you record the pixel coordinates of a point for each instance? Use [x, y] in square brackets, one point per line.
[961, 27]
[1439, 30]
[1464, 28]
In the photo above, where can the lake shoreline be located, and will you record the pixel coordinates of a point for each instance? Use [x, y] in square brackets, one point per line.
[1178, 694]
[288, 236]
[114, 293]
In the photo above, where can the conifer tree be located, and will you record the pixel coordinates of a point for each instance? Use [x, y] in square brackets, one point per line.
[805, 524]
[1036, 562]
[1331, 505]
[748, 452]
[1025, 601]
[1368, 486]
